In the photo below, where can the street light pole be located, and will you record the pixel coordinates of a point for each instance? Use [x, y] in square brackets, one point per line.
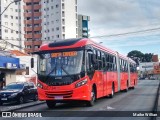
[9, 5]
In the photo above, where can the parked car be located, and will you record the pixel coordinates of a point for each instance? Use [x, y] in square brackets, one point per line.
[18, 92]
[152, 78]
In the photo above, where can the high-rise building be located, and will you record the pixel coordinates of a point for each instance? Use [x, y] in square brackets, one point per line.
[59, 19]
[11, 25]
[83, 30]
[30, 23]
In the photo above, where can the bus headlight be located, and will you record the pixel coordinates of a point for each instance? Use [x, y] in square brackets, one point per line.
[39, 85]
[83, 82]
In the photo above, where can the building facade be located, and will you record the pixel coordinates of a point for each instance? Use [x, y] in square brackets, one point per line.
[30, 23]
[83, 30]
[59, 19]
[11, 25]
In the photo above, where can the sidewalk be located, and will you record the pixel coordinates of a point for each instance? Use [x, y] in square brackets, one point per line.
[11, 107]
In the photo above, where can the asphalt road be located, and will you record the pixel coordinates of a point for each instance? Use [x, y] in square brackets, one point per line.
[140, 99]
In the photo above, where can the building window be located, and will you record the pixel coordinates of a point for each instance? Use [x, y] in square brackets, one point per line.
[57, 28]
[11, 24]
[57, 36]
[11, 17]
[11, 31]
[63, 14]
[63, 21]
[57, 6]
[63, 6]
[6, 31]
[63, 36]
[6, 23]
[6, 16]
[52, 7]
[29, 46]
[36, 46]
[63, 28]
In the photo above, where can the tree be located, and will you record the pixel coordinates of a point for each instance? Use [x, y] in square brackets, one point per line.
[140, 57]
[147, 57]
[136, 55]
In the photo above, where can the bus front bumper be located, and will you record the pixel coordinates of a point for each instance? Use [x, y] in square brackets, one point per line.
[81, 93]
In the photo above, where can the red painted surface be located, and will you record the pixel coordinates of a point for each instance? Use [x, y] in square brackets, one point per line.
[102, 80]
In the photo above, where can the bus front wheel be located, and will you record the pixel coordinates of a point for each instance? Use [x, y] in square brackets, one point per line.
[93, 98]
[51, 104]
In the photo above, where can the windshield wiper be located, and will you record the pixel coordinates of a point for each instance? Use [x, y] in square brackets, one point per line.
[50, 73]
[67, 72]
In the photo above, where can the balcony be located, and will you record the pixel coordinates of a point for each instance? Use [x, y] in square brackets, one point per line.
[35, 21]
[85, 34]
[37, 14]
[36, 7]
[27, 7]
[27, 21]
[28, 1]
[27, 14]
[85, 29]
[27, 36]
[27, 28]
[38, 28]
[37, 35]
[37, 42]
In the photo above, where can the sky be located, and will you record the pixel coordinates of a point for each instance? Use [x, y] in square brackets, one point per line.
[109, 17]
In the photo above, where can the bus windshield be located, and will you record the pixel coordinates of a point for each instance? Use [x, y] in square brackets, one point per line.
[61, 63]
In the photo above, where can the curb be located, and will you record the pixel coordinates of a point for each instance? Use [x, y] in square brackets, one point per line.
[155, 108]
[13, 108]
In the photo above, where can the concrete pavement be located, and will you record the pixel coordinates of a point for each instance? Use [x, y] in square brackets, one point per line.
[13, 107]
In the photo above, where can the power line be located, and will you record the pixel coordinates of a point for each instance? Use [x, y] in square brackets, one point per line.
[127, 33]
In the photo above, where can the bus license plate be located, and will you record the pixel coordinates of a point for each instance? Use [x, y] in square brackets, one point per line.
[3, 98]
[58, 97]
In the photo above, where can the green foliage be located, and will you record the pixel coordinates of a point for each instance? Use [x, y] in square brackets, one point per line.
[140, 57]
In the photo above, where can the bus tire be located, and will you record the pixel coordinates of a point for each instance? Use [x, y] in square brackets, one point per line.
[126, 90]
[51, 104]
[134, 85]
[93, 98]
[112, 93]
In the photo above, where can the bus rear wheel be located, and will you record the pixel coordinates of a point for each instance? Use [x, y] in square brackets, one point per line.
[93, 98]
[51, 104]
[112, 93]
[126, 90]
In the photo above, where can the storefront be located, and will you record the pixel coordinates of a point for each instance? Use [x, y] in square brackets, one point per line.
[8, 67]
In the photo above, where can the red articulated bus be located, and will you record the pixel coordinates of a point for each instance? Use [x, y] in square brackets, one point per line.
[81, 70]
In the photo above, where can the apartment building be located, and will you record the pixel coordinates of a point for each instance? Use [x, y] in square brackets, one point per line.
[34, 22]
[83, 30]
[59, 19]
[11, 25]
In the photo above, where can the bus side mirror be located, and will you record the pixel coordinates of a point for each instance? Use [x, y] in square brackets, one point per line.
[32, 62]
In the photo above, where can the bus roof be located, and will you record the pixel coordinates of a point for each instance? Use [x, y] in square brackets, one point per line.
[77, 43]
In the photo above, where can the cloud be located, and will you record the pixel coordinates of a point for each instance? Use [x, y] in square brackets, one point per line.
[119, 14]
